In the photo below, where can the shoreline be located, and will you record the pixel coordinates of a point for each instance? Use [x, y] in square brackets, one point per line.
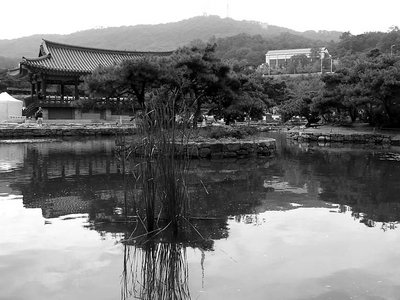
[357, 134]
[30, 130]
[346, 135]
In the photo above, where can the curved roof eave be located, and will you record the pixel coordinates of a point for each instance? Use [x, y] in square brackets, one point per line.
[40, 58]
[69, 59]
[47, 44]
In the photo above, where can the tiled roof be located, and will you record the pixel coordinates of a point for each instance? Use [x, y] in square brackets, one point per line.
[81, 60]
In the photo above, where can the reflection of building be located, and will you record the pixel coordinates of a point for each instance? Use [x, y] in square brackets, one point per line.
[63, 66]
[279, 58]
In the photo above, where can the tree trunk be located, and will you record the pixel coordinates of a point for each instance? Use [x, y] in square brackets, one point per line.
[353, 113]
[386, 105]
[197, 113]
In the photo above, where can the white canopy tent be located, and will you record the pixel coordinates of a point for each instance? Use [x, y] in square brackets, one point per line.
[10, 109]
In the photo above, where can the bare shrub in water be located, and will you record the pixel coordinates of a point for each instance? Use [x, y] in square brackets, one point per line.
[163, 163]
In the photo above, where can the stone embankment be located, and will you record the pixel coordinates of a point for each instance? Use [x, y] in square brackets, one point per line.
[63, 131]
[355, 138]
[203, 149]
[232, 149]
[217, 149]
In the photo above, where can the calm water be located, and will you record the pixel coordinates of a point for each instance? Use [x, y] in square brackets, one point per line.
[311, 223]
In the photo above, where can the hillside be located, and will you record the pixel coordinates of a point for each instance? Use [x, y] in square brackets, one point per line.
[167, 36]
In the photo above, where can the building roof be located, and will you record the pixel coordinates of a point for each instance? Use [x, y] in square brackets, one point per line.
[292, 52]
[57, 57]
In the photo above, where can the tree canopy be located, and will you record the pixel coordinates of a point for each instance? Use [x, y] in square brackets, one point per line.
[192, 76]
[367, 88]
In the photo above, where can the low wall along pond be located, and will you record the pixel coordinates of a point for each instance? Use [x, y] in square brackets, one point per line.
[353, 138]
[208, 149]
[232, 149]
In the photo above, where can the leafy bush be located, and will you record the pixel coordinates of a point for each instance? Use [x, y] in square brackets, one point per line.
[221, 132]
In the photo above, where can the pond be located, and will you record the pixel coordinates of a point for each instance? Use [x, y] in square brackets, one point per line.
[310, 223]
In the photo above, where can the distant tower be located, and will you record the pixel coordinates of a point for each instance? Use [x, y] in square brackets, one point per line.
[227, 8]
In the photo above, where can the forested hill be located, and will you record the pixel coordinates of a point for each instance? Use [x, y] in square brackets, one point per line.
[250, 49]
[167, 36]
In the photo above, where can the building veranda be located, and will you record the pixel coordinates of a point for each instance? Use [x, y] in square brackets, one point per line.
[56, 74]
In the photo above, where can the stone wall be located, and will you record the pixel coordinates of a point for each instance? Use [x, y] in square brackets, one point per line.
[209, 149]
[356, 138]
[61, 131]
[232, 149]
[223, 149]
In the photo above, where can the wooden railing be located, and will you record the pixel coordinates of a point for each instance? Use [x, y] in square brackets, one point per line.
[69, 101]
[56, 101]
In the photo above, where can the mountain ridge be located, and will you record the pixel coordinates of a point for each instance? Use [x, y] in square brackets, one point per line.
[159, 37]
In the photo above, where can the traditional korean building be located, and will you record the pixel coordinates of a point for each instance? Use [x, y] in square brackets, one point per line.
[56, 73]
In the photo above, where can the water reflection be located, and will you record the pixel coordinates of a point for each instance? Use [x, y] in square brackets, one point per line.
[156, 270]
[67, 177]
[359, 180]
[237, 219]
[11, 157]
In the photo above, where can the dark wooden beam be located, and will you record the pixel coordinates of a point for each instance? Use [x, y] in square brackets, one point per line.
[62, 90]
[76, 91]
[44, 86]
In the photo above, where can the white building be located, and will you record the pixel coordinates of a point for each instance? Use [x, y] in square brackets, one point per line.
[276, 58]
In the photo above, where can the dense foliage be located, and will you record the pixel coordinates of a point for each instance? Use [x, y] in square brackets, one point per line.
[193, 76]
[364, 88]
[250, 50]
[386, 42]
[7, 81]
[301, 94]
[368, 89]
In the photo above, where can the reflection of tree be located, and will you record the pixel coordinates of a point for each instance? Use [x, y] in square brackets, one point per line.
[62, 179]
[366, 184]
[156, 270]
[354, 178]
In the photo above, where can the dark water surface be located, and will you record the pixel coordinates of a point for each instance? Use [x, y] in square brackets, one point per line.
[311, 223]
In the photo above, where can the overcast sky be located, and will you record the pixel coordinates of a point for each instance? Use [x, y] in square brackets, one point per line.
[26, 17]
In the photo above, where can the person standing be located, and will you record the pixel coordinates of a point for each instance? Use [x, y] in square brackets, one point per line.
[39, 116]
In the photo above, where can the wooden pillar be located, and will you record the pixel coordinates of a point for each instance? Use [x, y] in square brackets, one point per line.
[31, 80]
[37, 89]
[62, 90]
[44, 86]
[32, 89]
[76, 91]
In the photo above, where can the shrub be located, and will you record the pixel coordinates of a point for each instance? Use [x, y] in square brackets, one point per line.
[220, 132]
